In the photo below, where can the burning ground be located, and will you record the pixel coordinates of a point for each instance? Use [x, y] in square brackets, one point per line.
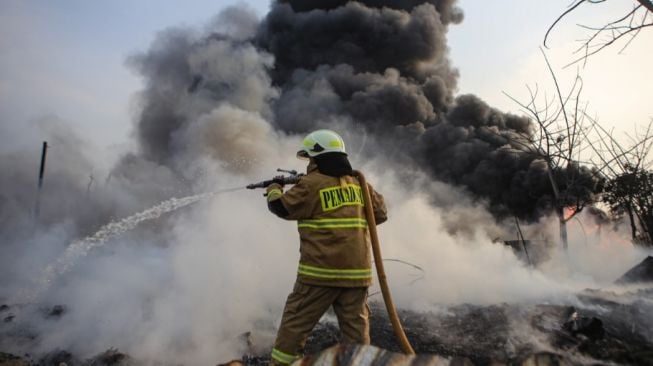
[223, 107]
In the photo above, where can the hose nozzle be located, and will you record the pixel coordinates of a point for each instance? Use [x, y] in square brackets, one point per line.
[293, 178]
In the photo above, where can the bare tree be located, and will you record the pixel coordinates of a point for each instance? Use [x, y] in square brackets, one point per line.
[624, 27]
[557, 141]
[629, 188]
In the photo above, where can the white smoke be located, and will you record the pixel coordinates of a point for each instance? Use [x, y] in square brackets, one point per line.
[463, 262]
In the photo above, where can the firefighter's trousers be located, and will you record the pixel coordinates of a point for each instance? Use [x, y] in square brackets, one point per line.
[304, 308]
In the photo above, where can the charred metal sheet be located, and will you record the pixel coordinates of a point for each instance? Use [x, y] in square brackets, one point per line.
[354, 355]
[641, 273]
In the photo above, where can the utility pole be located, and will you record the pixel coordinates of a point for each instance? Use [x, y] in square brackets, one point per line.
[37, 208]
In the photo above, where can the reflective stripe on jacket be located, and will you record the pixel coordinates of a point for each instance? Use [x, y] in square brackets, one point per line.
[334, 240]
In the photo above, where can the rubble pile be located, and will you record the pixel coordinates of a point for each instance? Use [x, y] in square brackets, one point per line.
[602, 327]
[110, 357]
[512, 334]
[601, 331]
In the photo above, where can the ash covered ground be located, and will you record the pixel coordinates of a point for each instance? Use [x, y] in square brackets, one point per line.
[601, 327]
[503, 333]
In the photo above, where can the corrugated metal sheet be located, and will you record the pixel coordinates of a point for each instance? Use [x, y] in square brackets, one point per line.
[351, 355]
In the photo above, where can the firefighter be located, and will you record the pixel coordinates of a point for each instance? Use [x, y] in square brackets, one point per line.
[335, 261]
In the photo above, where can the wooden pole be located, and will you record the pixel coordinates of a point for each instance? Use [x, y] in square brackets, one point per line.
[380, 270]
[37, 208]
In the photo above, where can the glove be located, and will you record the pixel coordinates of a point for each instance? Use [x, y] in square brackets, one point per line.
[280, 180]
[273, 191]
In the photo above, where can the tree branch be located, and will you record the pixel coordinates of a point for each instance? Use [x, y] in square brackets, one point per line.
[574, 6]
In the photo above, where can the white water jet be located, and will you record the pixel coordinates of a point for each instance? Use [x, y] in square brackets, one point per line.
[81, 247]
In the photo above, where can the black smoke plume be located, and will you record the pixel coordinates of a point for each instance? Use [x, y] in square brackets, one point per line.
[385, 65]
[381, 66]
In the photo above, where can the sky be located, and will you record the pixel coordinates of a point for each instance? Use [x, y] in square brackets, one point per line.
[67, 59]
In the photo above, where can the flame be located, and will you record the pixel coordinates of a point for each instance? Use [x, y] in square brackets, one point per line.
[569, 212]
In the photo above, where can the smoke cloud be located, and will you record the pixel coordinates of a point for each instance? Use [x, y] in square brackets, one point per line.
[384, 65]
[225, 105]
[188, 75]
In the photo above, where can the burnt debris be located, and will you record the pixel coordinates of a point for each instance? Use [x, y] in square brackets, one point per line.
[641, 273]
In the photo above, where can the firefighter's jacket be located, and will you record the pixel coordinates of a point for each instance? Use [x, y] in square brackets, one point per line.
[334, 239]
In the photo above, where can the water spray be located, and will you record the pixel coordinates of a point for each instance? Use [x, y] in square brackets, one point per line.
[81, 247]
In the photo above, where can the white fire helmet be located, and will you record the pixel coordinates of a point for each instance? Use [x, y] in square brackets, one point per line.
[321, 142]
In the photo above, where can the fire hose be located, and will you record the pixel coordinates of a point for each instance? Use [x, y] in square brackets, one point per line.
[380, 270]
[376, 250]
